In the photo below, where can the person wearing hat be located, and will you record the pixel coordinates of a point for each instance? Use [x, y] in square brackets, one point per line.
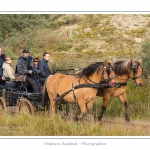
[25, 71]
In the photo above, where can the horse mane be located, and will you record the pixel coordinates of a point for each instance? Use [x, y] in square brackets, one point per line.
[122, 67]
[89, 70]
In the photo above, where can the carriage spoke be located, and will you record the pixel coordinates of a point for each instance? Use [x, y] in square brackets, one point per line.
[2, 105]
[26, 107]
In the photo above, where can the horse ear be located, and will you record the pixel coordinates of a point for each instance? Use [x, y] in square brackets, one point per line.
[133, 62]
[106, 63]
[140, 61]
[110, 61]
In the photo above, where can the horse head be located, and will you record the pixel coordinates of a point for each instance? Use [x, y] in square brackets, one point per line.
[136, 72]
[108, 73]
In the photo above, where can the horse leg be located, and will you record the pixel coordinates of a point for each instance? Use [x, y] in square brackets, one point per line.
[82, 107]
[64, 103]
[67, 108]
[89, 106]
[124, 100]
[52, 104]
[106, 98]
[53, 107]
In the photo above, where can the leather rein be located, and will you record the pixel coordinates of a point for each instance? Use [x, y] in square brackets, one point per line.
[87, 85]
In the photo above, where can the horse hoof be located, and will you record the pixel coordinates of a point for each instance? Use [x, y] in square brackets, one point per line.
[127, 119]
[97, 119]
[78, 117]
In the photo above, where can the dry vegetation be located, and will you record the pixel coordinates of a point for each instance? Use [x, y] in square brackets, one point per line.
[98, 35]
[112, 124]
[74, 41]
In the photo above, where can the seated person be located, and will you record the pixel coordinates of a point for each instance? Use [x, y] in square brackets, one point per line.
[36, 62]
[9, 73]
[2, 57]
[44, 68]
[25, 71]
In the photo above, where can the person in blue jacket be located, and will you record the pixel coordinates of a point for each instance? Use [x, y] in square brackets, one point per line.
[25, 68]
[43, 68]
[2, 57]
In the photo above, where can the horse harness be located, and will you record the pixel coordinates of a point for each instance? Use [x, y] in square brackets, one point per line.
[134, 69]
[93, 85]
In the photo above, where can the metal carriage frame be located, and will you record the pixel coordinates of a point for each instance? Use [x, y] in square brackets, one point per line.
[26, 101]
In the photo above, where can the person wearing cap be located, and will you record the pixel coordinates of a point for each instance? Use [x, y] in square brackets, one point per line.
[2, 57]
[44, 68]
[26, 70]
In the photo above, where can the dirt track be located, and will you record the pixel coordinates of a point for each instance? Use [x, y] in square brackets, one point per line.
[141, 126]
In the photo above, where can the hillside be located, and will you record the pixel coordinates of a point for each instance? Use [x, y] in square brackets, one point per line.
[98, 35]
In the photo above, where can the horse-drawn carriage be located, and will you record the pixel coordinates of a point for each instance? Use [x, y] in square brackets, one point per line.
[81, 89]
[28, 101]
[21, 96]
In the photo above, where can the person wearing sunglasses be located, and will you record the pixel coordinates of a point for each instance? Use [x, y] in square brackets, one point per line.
[9, 73]
[36, 61]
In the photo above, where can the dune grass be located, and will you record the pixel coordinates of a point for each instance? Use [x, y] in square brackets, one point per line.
[26, 125]
[113, 123]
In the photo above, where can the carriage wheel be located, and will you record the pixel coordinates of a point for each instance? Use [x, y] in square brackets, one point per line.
[2, 105]
[26, 107]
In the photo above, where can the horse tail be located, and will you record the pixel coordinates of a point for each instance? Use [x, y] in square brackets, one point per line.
[45, 97]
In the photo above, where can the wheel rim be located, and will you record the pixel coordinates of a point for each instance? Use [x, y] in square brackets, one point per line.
[26, 107]
[2, 105]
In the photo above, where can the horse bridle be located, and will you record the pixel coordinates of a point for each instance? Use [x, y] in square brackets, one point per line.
[134, 69]
[94, 85]
[105, 69]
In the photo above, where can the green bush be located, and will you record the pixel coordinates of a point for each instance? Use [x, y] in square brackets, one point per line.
[146, 57]
[62, 46]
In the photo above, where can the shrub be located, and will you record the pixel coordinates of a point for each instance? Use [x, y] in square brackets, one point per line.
[146, 57]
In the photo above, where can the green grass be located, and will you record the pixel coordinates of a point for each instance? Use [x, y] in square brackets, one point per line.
[26, 125]
[113, 123]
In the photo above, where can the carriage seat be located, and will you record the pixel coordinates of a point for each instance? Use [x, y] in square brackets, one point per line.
[2, 82]
[24, 86]
[21, 86]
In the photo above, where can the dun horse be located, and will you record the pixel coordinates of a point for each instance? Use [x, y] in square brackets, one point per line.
[61, 86]
[123, 70]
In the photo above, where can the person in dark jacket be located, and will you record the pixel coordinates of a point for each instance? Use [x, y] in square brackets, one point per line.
[2, 57]
[25, 67]
[44, 68]
[36, 61]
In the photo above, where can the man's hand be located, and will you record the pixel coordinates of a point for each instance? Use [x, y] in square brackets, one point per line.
[30, 71]
[3, 78]
[37, 71]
